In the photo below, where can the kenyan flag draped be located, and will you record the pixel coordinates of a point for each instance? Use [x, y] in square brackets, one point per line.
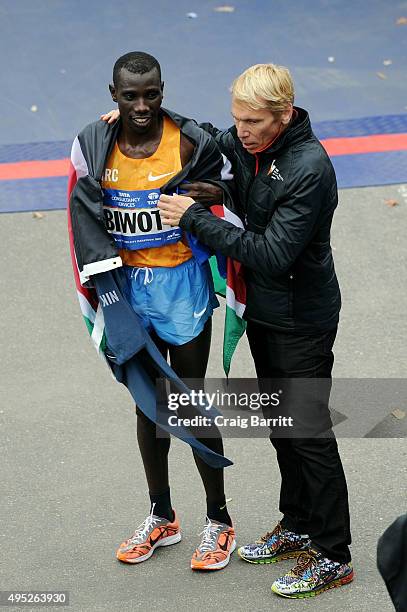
[229, 282]
[232, 287]
[88, 300]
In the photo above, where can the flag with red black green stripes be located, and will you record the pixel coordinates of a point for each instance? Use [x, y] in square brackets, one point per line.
[232, 287]
[88, 299]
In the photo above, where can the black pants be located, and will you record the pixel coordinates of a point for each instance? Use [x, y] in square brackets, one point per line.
[313, 496]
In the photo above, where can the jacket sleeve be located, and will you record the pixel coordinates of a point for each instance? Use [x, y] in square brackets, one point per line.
[209, 164]
[273, 253]
[92, 248]
[212, 166]
[223, 139]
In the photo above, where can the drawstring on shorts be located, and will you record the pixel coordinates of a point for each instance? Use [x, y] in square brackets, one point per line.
[148, 274]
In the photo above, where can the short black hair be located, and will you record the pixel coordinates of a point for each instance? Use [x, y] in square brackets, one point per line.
[137, 62]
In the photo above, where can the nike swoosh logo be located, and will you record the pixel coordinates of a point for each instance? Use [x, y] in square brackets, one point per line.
[152, 542]
[151, 177]
[199, 314]
[224, 546]
[160, 535]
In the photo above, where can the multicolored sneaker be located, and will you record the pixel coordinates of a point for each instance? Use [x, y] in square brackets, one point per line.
[274, 546]
[218, 543]
[153, 532]
[313, 574]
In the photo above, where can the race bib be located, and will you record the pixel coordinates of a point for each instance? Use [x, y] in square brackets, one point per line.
[133, 219]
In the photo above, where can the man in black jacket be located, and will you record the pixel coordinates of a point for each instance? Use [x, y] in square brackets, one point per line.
[286, 193]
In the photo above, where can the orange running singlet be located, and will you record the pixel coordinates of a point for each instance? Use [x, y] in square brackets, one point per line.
[131, 190]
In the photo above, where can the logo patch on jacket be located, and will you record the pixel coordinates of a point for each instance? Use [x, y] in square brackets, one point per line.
[106, 299]
[274, 172]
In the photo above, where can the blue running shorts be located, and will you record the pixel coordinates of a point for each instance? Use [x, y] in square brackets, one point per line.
[174, 302]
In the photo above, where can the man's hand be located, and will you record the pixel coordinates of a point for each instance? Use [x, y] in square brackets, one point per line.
[205, 193]
[111, 117]
[173, 207]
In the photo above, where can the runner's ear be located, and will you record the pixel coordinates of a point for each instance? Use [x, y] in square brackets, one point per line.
[113, 93]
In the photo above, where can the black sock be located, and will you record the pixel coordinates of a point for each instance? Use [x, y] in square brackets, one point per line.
[217, 511]
[163, 507]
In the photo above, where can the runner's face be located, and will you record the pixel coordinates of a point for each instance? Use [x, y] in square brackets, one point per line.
[256, 128]
[139, 97]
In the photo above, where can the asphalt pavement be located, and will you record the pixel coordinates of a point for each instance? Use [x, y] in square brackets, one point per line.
[72, 481]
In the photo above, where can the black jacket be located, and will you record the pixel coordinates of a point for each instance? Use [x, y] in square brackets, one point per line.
[286, 196]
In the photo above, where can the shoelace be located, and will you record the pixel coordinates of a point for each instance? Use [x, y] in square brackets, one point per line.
[208, 536]
[148, 274]
[304, 561]
[264, 538]
[142, 531]
[277, 530]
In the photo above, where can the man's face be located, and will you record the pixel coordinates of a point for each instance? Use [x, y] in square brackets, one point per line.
[139, 97]
[256, 128]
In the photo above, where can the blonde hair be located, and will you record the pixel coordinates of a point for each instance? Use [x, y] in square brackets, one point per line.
[264, 86]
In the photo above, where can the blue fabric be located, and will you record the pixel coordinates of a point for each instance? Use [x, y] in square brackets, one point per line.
[200, 251]
[221, 261]
[174, 302]
[130, 351]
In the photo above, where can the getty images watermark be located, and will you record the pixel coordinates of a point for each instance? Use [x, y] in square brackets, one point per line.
[297, 407]
[237, 408]
[255, 402]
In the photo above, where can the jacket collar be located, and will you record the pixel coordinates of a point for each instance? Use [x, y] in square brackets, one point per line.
[187, 126]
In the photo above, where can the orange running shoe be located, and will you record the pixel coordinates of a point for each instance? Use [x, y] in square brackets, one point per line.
[153, 532]
[218, 543]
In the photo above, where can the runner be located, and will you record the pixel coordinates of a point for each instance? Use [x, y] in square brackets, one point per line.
[170, 291]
